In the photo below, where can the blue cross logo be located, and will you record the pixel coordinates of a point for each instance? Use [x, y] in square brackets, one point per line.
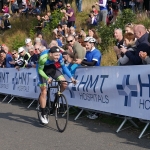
[15, 81]
[127, 90]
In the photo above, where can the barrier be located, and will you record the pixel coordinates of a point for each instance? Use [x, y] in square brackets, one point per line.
[116, 90]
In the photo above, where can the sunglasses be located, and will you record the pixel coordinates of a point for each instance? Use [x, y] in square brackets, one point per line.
[21, 52]
[36, 48]
[68, 6]
[69, 41]
[13, 53]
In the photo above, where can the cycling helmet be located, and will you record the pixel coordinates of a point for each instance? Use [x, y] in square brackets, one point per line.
[90, 40]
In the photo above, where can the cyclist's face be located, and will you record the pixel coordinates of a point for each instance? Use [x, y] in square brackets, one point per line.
[88, 46]
[55, 56]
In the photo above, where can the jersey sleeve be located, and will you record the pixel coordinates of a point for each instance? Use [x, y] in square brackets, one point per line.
[64, 68]
[41, 72]
[40, 68]
[96, 56]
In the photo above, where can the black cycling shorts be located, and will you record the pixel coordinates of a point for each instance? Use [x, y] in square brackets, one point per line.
[52, 71]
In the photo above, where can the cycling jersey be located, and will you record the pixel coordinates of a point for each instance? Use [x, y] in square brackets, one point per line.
[45, 61]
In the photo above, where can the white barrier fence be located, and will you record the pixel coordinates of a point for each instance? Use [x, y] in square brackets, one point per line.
[118, 90]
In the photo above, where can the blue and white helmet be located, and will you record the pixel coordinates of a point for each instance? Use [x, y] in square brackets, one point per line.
[90, 39]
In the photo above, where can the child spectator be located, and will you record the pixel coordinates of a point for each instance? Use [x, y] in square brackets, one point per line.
[5, 9]
[95, 11]
[129, 42]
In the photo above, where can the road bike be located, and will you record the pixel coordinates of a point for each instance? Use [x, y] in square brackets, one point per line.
[58, 107]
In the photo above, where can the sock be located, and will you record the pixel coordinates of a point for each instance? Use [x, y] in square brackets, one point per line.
[43, 111]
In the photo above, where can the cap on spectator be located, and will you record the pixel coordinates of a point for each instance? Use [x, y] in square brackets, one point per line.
[20, 49]
[54, 49]
[2, 51]
[27, 40]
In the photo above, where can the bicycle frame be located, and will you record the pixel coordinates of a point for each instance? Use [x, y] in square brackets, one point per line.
[55, 97]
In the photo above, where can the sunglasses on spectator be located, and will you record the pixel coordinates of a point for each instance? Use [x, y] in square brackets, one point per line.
[36, 48]
[68, 6]
[21, 52]
[13, 53]
[69, 41]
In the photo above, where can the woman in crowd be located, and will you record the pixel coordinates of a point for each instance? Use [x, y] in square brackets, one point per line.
[129, 42]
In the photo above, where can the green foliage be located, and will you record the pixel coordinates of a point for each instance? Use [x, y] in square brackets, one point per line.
[17, 42]
[106, 32]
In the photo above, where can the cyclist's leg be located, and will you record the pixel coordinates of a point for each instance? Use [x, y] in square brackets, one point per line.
[56, 74]
[63, 84]
[43, 95]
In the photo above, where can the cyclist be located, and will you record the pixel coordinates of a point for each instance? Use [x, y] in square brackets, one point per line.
[46, 68]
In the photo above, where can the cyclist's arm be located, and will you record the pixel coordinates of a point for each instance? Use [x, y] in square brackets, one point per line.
[41, 72]
[64, 68]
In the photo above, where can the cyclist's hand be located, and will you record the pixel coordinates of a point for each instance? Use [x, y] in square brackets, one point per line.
[49, 81]
[73, 81]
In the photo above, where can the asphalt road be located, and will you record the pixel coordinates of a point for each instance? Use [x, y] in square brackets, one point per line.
[20, 130]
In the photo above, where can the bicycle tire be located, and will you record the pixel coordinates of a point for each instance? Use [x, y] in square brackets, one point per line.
[38, 108]
[61, 113]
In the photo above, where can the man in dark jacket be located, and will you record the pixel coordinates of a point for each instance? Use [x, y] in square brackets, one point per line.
[141, 43]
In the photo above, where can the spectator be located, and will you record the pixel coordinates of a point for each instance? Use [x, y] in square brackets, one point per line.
[78, 50]
[19, 2]
[82, 34]
[92, 58]
[39, 48]
[95, 11]
[72, 31]
[129, 28]
[6, 49]
[119, 40]
[103, 10]
[5, 9]
[33, 59]
[110, 15]
[28, 43]
[38, 27]
[60, 4]
[18, 61]
[79, 5]
[6, 59]
[37, 41]
[46, 20]
[141, 43]
[63, 22]
[93, 55]
[71, 16]
[60, 40]
[93, 20]
[25, 55]
[44, 43]
[7, 24]
[92, 33]
[132, 5]
[129, 41]
[69, 58]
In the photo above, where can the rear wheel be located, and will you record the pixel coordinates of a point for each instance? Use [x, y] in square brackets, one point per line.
[38, 108]
[61, 113]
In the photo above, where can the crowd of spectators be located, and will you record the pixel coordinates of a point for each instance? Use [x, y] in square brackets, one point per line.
[79, 48]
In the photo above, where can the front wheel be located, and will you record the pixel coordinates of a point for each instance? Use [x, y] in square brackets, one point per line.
[61, 113]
